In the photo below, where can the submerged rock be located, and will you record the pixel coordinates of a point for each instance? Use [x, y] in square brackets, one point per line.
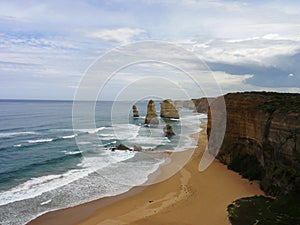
[151, 117]
[168, 109]
[168, 130]
[135, 111]
[137, 148]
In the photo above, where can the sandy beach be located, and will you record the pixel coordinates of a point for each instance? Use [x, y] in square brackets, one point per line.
[188, 197]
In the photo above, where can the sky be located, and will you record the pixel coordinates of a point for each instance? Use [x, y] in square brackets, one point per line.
[47, 47]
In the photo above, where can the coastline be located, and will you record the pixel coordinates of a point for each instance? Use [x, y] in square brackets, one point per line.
[187, 197]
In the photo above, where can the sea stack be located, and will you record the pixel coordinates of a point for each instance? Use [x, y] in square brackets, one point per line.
[151, 117]
[168, 110]
[135, 111]
[168, 130]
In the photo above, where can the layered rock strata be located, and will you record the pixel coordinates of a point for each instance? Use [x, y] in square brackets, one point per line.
[135, 111]
[262, 138]
[168, 110]
[151, 117]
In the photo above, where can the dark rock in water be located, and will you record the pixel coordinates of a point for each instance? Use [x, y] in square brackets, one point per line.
[120, 147]
[168, 109]
[151, 117]
[168, 130]
[135, 111]
[137, 148]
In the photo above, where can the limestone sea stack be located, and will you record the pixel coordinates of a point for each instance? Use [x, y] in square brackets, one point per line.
[168, 130]
[151, 117]
[168, 110]
[135, 111]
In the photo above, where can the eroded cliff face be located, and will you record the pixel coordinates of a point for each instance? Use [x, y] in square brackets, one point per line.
[201, 104]
[189, 104]
[262, 138]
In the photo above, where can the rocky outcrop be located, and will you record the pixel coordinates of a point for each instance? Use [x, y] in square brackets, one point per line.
[125, 148]
[202, 104]
[151, 117]
[262, 138]
[168, 131]
[135, 111]
[199, 105]
[137, 148]
[189, 104]
[168, 110]
[120, 147]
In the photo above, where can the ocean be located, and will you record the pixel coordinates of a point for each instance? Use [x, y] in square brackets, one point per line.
[42, 168]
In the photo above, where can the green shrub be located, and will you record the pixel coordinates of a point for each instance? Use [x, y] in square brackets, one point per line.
[265, 211]
[247, 166]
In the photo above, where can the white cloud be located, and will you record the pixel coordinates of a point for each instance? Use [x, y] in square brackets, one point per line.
[242, 40]
[120, 35]
[258, 50]
[230, 6]
[230, 79]
[43, 38]
[277, 37]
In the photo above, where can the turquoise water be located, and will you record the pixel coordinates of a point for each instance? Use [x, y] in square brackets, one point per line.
[43, 169]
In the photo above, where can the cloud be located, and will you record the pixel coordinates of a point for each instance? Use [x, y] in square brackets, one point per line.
[226, 79]
[249, 44]
[242, 40]
[254, 50]
[277, 37]
[119, 35]
[270, 58]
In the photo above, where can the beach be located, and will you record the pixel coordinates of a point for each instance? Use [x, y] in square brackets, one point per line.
[188, 197]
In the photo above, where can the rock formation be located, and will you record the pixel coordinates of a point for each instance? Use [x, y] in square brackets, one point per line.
[137, 148]
[151, 117]
[262, 138]
[120, 147]
[168, 109]
[189, 104]
[201, 104]
[135, 111]
[168, 131]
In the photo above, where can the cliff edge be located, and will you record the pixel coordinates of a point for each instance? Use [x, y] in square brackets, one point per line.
[262, 138]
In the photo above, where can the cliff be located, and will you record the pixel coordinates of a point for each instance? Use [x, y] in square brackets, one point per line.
[201, 104]
[262, 138]
[168, 109]
[189, 104]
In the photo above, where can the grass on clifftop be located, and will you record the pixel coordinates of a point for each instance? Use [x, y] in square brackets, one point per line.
[280, 102]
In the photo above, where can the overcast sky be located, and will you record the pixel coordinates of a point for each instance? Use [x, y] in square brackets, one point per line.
[47, 46]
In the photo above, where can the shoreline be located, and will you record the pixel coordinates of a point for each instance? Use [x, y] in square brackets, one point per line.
[188, 196]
